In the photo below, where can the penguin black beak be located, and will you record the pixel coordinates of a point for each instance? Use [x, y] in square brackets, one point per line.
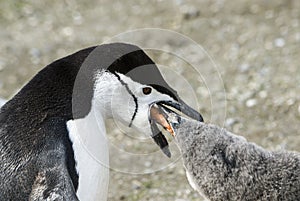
[183, 108]
[161, 112]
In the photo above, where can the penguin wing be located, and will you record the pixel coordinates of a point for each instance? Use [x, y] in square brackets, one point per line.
[53, 180]
[53, 183]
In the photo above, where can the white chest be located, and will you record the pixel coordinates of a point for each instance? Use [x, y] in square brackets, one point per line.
[91, 155]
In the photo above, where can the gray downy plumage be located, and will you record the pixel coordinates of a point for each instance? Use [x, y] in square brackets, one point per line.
[224, 166]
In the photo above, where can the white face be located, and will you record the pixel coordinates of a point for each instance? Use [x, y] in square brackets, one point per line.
[126, 100]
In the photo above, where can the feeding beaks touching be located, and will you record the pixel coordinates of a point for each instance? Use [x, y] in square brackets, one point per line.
[167, 114]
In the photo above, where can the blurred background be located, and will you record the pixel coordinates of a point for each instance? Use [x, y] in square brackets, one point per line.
[254, 44]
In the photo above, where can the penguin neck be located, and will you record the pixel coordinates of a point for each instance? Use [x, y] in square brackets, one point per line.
[88, 136]
[104, 100]
[90, 145]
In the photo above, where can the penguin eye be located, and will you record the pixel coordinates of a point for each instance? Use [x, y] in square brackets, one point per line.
[147, 90]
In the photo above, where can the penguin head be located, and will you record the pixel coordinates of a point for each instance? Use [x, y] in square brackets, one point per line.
[126, 100]
[138, 106]
[125, 84]
[132, 90]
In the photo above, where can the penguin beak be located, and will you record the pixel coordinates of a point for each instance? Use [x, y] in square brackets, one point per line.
[163, 113]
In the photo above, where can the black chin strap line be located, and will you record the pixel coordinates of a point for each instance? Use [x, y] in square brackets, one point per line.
[131, 93]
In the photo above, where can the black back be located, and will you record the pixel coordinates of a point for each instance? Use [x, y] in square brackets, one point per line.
[33, 133]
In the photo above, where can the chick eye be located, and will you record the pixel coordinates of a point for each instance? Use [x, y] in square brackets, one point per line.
[147, 90]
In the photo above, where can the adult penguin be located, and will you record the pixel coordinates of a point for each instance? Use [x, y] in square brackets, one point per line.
[46, 127]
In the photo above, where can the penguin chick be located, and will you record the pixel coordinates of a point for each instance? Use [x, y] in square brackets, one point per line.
[224, 166]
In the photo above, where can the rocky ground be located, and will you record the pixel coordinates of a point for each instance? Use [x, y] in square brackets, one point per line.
[250, 83]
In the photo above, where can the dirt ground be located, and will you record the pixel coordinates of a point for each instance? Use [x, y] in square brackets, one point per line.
[250, 84]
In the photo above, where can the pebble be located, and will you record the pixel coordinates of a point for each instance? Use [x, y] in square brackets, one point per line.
[269, 14]
[67, 31]
[136, 184]
[189, 12]
[244, 67]
[230, 121]
[179, 193]
[148, 164]
[251, 102]
[263, 94]
[35, 55]
[279, 42]
[290, 102]
[153, 191]
[77, 18]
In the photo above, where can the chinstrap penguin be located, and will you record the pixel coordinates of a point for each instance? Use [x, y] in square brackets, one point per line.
[43, 127]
